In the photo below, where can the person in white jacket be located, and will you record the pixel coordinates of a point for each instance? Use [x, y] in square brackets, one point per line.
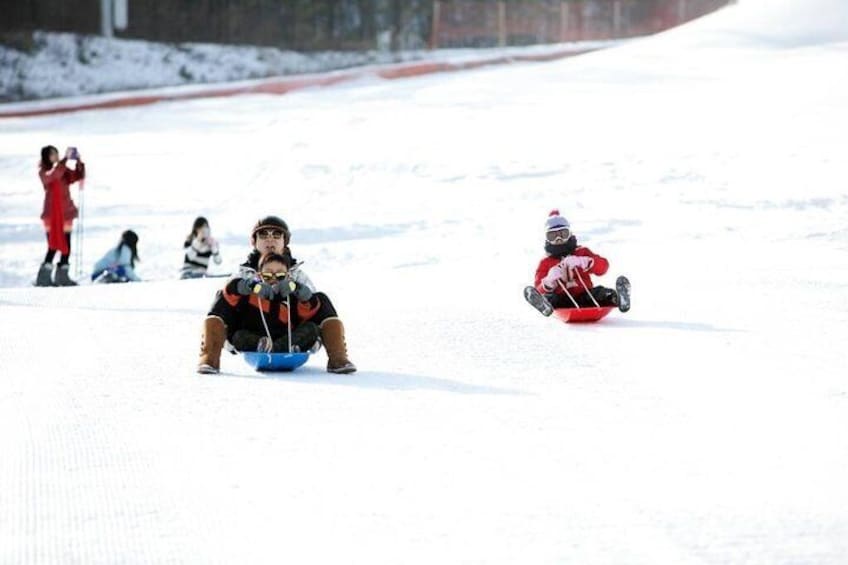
[199, 247]
[118, 264]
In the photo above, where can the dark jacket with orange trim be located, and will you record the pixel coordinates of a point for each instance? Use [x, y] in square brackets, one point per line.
[244, 312]
[320, 306]
[599, 266]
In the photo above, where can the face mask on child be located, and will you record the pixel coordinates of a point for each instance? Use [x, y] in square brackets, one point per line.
[561, 249]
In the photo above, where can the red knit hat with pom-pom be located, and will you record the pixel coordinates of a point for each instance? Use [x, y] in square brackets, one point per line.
[556, 222]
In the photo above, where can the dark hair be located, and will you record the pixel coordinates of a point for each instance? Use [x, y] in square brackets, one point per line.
[199, 222]
[45, 156]
[254, 256]
[270, 257]
[130, 239]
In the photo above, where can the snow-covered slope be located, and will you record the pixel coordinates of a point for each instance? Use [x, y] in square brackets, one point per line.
[50, 65]
[705, 426]
[64, 64]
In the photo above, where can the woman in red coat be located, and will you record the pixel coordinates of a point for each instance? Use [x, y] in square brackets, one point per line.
[59, 212]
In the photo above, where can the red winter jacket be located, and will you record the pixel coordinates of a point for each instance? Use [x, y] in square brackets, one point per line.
[599, 267]
[59, 209]
[57, 182]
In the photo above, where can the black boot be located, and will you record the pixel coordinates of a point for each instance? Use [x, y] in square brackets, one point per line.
[45, 275]
[303, 338]
[605, 296]
[538, 301]
[622, 286]
[244, 340]
[62, 277]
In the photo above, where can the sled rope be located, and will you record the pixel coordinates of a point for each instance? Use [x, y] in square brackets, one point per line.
[565, 290]
[288, 319]
[586, 288]
[262, 315]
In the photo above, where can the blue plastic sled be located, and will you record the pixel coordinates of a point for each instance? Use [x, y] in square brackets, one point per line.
[275, 361]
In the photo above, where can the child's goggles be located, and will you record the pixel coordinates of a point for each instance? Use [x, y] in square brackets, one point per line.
[558, 236]
[272, 277]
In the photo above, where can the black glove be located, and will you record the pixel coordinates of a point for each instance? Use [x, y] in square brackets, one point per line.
[248, 286]
[287, 287]
[245, 286]
[284, 287]
[302, 293]
[264, 290]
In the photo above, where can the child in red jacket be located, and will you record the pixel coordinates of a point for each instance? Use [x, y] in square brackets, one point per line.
[563, 278]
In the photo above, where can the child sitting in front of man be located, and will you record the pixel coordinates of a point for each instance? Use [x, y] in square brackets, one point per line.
[258, 313]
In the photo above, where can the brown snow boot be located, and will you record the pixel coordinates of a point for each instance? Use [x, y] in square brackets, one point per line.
[211, 343]
[333, 336]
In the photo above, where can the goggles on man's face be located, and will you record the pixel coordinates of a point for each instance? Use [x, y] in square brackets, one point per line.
[558, 236]
[269, 234]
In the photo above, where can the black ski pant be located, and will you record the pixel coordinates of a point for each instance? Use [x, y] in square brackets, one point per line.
[303, 337]
[605, 297]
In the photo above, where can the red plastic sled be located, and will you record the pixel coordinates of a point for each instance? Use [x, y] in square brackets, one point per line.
[575, 315]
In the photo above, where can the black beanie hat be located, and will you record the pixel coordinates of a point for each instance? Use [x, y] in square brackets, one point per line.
[271, 222]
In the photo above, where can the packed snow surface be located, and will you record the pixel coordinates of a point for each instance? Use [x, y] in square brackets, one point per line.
[705, 426]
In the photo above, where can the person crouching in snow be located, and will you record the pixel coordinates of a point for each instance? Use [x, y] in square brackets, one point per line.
[199, 247]
[563, 278]
[271, 235]
[259, 314]
[118, 264]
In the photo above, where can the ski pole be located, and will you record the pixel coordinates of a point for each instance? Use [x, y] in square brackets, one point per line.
[80, 228]
[565, 290]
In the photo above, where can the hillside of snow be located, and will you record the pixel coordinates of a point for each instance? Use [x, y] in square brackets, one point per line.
[705, 426]
[47, 65]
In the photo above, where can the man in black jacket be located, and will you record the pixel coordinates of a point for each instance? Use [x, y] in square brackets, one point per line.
[271, 235]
